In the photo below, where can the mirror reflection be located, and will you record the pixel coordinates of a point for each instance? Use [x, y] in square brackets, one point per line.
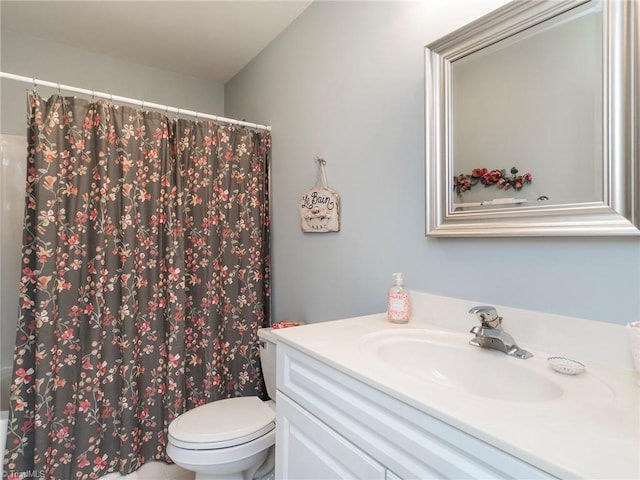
[527, 116]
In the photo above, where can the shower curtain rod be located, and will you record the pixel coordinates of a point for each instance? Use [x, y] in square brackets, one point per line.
[140, 103]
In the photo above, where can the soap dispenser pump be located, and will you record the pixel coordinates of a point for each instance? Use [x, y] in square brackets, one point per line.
[398, 305]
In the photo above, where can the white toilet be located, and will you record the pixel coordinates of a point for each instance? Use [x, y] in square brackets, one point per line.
[233, 438]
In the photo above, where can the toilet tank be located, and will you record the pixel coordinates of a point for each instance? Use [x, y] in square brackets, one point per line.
[268, 359]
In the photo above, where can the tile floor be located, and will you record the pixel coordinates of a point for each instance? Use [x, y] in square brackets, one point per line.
[154, 471]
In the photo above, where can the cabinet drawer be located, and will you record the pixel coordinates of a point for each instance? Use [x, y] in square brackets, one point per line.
[405, 440]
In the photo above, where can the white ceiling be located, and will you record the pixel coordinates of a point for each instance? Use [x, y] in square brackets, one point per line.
[209, 39]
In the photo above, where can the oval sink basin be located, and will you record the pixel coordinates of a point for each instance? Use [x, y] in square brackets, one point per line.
[446, 359]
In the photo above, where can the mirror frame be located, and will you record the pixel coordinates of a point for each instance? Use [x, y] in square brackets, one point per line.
[619, 212]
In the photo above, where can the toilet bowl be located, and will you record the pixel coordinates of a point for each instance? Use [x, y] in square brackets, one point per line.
[230, 439]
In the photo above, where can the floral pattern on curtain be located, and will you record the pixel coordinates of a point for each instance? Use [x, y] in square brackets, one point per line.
[145, 277]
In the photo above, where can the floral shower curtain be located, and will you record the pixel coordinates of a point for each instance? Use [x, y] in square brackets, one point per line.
[145, 276]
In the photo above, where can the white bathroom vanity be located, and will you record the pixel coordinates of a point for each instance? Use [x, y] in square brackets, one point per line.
[363, 398]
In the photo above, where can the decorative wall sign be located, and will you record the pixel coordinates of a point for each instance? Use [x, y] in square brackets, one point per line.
[319, 207]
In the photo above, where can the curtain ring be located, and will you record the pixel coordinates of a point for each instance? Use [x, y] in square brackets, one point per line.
[197, 114]
[35, 86]
[142, 105]
[59, 89]
[178, 113]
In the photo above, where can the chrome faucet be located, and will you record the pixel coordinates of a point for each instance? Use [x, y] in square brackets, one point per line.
[491, 335]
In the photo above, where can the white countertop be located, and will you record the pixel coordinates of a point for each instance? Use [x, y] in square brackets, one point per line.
[577, 435]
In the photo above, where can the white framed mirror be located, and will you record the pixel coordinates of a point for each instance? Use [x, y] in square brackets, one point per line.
[532, 122]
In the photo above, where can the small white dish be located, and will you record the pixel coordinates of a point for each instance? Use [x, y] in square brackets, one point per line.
[566, 366]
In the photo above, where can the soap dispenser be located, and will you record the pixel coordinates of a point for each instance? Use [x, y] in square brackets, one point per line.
[398, 305]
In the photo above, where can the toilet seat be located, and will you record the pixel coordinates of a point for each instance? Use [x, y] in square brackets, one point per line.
[222, 424]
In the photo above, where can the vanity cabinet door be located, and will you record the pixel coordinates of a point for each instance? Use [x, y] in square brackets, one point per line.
[307, 449]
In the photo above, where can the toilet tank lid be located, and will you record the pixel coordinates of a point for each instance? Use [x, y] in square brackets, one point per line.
[267, 334]
[227, 422]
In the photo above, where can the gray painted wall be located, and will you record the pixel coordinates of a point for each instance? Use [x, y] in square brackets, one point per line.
[31, 56]
[346, 81]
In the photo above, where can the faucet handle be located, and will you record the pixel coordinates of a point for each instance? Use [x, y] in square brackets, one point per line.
[487, 315]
